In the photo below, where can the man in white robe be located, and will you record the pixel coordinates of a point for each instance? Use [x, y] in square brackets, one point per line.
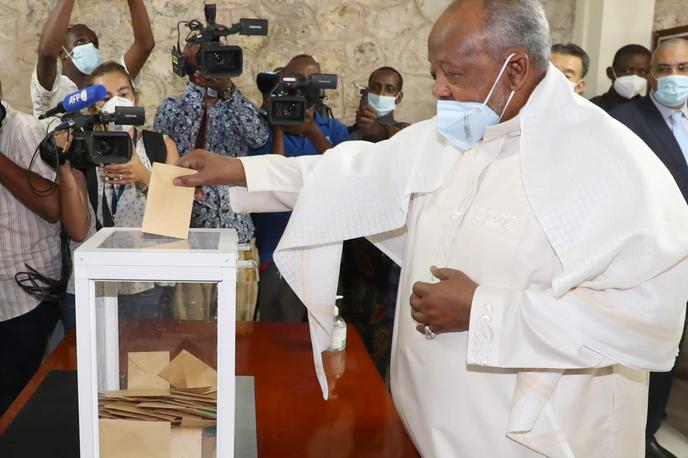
[561, 242]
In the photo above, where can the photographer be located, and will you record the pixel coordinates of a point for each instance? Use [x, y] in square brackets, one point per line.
[276, 300]
[29, 236]
[375, 116]
[121, 192]
[76, 47]
[212, 114]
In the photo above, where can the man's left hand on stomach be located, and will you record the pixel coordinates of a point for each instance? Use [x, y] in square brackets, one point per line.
[444, 306]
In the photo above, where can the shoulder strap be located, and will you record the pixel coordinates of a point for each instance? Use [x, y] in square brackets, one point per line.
[154, 143]
[92, 186]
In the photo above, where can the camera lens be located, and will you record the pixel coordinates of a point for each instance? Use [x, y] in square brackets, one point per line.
[218, 59]
[102, 148]
[288, 109]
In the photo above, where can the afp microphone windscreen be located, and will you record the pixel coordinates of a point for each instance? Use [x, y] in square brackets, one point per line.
[77, 101]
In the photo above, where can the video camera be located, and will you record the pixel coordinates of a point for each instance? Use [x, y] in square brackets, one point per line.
[89, 147]
[214, 60]
[290, 97]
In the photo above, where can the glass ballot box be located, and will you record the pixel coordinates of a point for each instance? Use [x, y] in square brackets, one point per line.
[155, 319]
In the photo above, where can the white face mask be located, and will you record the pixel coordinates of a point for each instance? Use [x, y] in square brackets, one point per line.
[110, 106]
[630, 85]
[382, 104]
[573, 85]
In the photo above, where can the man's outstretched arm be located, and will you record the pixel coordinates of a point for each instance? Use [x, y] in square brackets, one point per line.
[212, 169]
[266, 183]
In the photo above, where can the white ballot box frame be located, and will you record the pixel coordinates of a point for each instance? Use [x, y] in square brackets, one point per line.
[100, 359]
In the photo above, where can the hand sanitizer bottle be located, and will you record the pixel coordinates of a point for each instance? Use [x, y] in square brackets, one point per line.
[338, 342]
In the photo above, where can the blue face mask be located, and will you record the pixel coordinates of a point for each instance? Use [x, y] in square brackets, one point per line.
[463, 123]
[85, 57]
[672, 90]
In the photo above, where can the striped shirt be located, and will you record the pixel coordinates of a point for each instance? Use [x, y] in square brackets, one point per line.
[25, 237]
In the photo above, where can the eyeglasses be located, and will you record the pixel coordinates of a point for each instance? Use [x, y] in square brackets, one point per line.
[665, 70]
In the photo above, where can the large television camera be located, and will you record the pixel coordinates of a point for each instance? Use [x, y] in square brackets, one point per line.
[91, 147]
[290, 97]
[214, 59]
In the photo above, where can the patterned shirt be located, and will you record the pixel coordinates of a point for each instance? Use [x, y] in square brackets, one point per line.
[233, 126]
[25, 237]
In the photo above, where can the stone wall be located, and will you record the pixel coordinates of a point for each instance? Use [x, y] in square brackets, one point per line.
[670, 13]
[349, 38]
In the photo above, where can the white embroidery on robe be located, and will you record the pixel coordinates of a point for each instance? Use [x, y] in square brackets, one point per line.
[497, 221]
[483, 336]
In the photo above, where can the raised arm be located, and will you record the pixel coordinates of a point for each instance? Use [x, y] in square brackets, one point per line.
[50, 43]
[144, 42]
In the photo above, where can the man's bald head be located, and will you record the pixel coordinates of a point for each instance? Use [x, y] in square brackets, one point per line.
[666, 46]
[302, 66]
[508, 24]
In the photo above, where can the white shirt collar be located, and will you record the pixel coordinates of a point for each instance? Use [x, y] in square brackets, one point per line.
[512, 126]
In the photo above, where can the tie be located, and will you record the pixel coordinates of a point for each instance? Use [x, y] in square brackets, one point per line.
[680, 132]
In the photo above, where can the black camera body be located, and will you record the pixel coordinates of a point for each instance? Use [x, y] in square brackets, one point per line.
[292, 97]
[215, 60]
[93, 148]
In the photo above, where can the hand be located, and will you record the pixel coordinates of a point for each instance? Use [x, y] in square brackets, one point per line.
[212, 169]
[219, 84]
[131, 172]
[306, 128]
[444, 306]
[63, 139]
[366, 120]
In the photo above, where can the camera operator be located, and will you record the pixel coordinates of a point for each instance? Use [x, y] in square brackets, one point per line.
[29, 236]
[76, 47]
[375, 116]
[212, 114]
[121, 193]
[276, 300]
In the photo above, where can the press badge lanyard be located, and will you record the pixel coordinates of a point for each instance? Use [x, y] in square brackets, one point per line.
[118, 190]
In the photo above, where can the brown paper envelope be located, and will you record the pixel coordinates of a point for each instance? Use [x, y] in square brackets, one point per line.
[187, 371]
[168, 207]
[143, 369]
[133, 394]
[134, 439]
[186, 443]
[132, 416]
[117, 407]
[193, 422]
[193, 391]
[155, 405]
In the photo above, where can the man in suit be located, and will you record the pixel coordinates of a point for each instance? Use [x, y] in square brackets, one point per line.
[628, 73]
[661, 120]
[573, 62]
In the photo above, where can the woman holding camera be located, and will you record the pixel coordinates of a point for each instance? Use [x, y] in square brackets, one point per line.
[121, 192]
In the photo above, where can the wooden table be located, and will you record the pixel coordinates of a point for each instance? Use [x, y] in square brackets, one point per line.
[292, 419]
